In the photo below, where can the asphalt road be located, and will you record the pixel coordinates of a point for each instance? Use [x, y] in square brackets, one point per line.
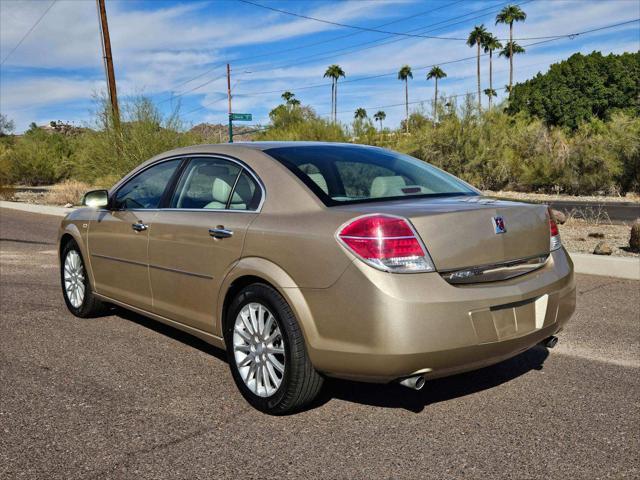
[124, 397]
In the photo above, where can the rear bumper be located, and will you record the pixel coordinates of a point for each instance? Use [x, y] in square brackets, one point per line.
[375, 326]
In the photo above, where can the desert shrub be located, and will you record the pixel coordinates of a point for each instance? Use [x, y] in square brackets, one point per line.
[68, 191]
[107, 152]
[40, 157]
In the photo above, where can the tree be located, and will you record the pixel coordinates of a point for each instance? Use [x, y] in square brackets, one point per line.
[436, 73]
[490, 92]
[379, 117]
[491, 43]
[405, 74]
[287, 96]
[6, 126]
[575, 90]
[334, 72]
[360, 114]
[477, 38]
[510, 49]
[508, 15]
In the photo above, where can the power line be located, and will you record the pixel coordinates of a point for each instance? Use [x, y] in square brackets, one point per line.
[29, 31]
[376, 30]
[425, 29]
[370, 77]
[300, 47]
[381, 75]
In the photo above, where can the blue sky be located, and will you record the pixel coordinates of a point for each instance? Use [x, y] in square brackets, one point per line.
[159, 46]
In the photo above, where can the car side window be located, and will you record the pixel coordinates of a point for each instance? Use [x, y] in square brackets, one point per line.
[208, 183]
[146, 189]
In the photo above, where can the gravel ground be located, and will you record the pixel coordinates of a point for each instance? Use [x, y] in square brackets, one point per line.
[581, 236]
[123, 397]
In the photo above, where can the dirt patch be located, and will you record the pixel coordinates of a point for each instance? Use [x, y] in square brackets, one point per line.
[582, 236]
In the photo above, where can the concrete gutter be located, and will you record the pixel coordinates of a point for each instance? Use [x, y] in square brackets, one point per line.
[34, 208]
[608, 266]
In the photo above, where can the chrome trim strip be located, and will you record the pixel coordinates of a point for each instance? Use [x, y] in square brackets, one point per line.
[121, 260]
[175, 270]
[494, 272]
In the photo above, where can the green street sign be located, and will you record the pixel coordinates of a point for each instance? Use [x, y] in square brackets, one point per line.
[240, 117]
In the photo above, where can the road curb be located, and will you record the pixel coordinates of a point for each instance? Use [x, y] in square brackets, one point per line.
[34, 208]
[617, 267]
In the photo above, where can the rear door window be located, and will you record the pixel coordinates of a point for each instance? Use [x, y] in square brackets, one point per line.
[215, 184]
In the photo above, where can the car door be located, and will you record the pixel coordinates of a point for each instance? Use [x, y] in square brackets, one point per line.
[199, 237]
[119, 236]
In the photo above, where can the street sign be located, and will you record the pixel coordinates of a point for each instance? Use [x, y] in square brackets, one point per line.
[240, 117]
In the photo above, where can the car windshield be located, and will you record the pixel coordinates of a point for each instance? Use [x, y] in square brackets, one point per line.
[341, 174]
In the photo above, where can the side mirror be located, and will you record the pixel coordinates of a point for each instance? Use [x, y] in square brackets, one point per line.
[96, 199]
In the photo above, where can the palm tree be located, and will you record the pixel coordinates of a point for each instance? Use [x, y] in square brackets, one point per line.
[477, 37]
[508, 15]
[435, 73]
[405, 74]
[360, 114]
[334, 72]
[509, 50]
[294, 102]
[379, 117]
[490, 92]
[491, 43]
[287, 96]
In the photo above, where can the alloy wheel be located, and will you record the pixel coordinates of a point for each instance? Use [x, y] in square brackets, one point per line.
[74, 278]
[258, 349]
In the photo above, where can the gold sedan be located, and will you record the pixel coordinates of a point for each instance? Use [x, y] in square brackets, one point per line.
[307, 260]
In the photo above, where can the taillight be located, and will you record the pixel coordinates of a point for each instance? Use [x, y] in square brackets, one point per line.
[386, 242]
[556, 243]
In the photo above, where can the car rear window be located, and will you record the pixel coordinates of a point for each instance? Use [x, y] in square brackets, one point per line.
[343, 174]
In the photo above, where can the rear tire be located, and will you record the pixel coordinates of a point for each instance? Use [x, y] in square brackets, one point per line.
[257, 349]
[76, 288]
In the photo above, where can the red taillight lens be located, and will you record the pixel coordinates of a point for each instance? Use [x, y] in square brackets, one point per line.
[556, 243]
[386, 242]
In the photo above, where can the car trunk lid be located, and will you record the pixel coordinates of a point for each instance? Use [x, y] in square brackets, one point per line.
[466, 231]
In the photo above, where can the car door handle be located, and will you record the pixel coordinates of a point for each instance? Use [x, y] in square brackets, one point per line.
[139, 227]
[220, 232]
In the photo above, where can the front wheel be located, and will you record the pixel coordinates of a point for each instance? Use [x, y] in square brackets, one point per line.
[267, 354]
[76, 288]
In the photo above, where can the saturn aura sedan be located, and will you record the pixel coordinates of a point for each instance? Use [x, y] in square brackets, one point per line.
[314, 260]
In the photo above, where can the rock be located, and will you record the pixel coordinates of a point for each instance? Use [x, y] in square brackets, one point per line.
[634, 239]
[602, 248]
[68, 205]
[559, 217]
[596, 235]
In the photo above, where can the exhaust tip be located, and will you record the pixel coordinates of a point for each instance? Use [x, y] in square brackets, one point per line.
[414, 383]
[551, 342]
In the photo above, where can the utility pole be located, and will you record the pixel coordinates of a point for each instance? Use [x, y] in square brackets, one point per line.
[229, 98]
[108, 62]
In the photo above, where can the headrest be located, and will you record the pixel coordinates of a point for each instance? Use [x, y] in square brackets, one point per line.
[319, 180]
[387, 186]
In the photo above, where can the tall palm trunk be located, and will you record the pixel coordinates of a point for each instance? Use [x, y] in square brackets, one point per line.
[335, 103]
[332, 97]
[380, 125]
[435, 102]
[406, 102]
[510, 56]
[478, 68]
[490, 76]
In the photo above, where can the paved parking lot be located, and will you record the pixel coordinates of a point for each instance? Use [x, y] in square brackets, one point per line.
[124, 397]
